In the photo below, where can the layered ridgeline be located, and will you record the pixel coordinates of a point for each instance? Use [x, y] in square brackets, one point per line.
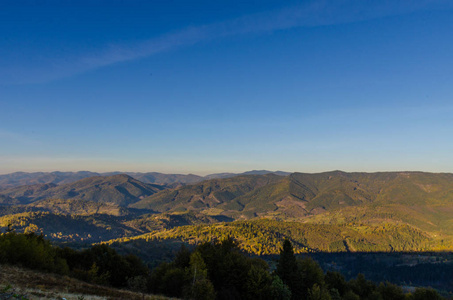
[333, 211]
[299, 195]
[24, 178]
[117, 189]
[91, 209]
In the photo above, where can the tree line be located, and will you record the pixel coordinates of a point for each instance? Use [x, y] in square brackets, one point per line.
[219, 270]
[212, 270]
[98, 264]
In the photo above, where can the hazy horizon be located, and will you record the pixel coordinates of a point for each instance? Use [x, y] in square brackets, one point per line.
[202, 174]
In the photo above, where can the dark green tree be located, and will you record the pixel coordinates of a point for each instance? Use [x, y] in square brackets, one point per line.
[362, 287]
[287, 270]
[200, 286]
[182, 258]
[425, 293]
[390, 291]
[335, 280]
[318, 293]
[311, 274]
[258, 283]
[350, 295]
[279, 290]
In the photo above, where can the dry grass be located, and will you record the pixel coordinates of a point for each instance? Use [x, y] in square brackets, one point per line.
[36, 285]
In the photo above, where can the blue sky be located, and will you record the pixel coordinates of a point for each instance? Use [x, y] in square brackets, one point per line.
[215, 86]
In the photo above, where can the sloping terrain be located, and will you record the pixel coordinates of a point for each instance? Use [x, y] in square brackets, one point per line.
[78, 207]
[87, 221]
[363, 205]
[207, 194]
[264, 237]
[117, 189]
[70, 228]
[165, 179]
[420, 204]
[24, 178]
[6, 200]
[38, 285]
[253, 172]
[299, 194]
[25, 193]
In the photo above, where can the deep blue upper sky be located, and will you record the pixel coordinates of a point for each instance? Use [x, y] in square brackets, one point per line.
[213, 86]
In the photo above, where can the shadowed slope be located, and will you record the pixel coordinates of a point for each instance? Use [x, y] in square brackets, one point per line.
[207, 194]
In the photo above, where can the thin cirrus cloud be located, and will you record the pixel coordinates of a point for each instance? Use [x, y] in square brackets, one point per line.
[314, 13]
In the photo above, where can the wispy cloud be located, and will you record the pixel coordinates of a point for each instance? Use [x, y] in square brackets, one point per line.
[314, 13]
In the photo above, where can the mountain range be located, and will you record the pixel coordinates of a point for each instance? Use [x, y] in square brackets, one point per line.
[24, 178]
[301, 194]
[116, 189]
[338, 211]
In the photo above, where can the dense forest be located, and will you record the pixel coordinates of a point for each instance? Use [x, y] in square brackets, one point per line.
[212, 270]
[264, 236]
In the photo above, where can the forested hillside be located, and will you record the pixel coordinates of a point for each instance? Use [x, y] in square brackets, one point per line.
[212, 270]
[263, 237]
[208, 194]
[355, 211]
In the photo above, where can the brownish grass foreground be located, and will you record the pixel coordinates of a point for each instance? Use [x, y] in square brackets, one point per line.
[36, 285]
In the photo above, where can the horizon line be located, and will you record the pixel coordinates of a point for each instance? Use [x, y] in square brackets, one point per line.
[217, 173]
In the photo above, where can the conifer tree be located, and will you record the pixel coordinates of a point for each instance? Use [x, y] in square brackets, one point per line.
[287, 269]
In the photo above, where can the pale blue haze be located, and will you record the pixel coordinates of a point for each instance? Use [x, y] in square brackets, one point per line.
[226, 86]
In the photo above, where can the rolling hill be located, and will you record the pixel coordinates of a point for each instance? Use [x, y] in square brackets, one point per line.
[302, 194]
[117, 189]
[417, 201]
[24, 178]
[207, 194]
[362, 205]
[265, 237]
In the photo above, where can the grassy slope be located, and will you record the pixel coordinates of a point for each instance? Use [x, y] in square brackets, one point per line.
[37, 285]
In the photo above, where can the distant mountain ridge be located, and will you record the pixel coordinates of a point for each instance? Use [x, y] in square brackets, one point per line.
[24, 178]
[120, 190]
[253, 172]
[213, 193]
[302, 194]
